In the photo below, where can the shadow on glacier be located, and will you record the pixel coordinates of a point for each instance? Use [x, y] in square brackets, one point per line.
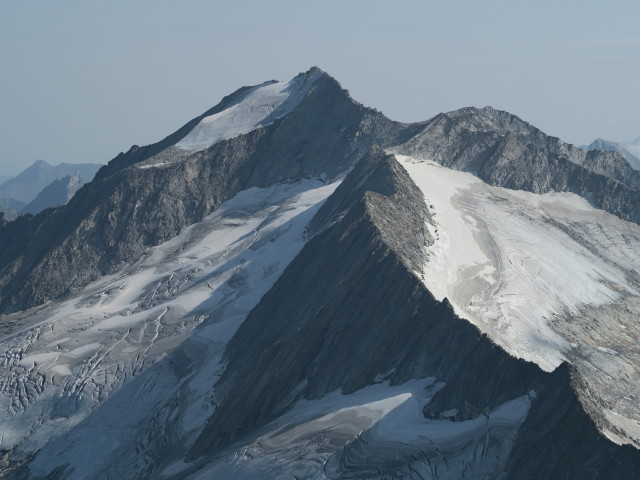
[140, 423]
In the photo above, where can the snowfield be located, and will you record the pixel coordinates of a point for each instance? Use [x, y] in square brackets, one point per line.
[261, 106]
[512, 261]
[377, 425]
[548, 277]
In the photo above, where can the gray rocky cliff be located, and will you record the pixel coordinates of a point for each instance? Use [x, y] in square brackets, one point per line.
[348, 265]
[622, 149]
[503, 150]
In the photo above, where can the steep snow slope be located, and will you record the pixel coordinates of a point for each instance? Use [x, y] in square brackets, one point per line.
[63, 361]
[291, 445]
[510, 261]
[261, 106]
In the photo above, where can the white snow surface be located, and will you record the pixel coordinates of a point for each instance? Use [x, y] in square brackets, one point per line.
[389, 424]
[70, 369]
[260, 106]
[511, 261]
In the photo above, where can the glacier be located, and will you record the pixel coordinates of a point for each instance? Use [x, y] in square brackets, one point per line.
[191, 292]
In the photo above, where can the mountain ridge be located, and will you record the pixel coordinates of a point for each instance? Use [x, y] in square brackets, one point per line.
[602, 177]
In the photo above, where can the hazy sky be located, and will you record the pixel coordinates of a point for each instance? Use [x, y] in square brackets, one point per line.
[81, 81]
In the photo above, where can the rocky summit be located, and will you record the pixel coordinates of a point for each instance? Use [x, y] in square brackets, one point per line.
[292, 285]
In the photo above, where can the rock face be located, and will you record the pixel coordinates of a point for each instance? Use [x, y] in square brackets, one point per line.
[361, 263]
[505, 151]
[263, 300]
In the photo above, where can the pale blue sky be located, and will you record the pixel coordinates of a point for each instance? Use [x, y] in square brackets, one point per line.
[84, 80]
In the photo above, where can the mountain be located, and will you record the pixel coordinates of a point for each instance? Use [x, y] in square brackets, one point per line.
[55, 194]
[124, 211]
[25, 186]
[629, 150]
[293, 285]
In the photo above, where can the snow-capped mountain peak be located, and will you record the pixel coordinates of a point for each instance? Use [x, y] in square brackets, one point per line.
[260, 106]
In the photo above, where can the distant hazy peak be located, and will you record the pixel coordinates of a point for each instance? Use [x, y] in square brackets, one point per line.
[629, 150]
[57, 193]
[29, 183]
[601, 144]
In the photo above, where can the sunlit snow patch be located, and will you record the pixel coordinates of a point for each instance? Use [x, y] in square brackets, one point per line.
[261, 106]
[511, 261]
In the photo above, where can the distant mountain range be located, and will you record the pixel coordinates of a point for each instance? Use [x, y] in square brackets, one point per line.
[22, 193]
[629, 150]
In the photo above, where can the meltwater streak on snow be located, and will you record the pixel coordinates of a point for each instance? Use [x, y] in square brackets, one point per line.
[261, 106]
[80, 352]
[510, 261]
